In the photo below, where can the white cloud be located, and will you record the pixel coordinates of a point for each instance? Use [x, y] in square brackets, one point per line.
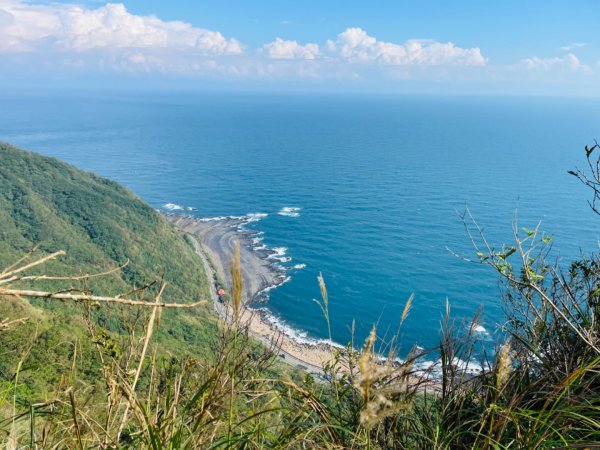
[355, 45]
[280, 49]
[110, 38]
[45, 39]
[567, 63]
[573, 46]
[26, 27]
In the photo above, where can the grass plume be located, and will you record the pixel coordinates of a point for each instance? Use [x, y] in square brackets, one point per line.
[237, 282]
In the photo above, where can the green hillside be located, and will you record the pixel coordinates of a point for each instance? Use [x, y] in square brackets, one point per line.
[101, 225]
[98, 222]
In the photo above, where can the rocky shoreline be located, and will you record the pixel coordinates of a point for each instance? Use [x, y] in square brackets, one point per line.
[262, 272]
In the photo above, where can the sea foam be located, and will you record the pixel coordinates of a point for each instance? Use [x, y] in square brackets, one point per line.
[176, 207]
[480, 329]
[255, 217]
[279, 254]
[173, 207]
[218, 218]
[299, 336]
[435, 367]
[289, 211]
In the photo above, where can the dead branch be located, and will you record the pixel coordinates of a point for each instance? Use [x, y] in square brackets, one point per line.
[12, 275]
[7, 324]
[592, 180]
[5, 275]
[95, 298]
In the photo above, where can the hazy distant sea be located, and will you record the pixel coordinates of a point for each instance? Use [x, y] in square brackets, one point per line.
[371, 185]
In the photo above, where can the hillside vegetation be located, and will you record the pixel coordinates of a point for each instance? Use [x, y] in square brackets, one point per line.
[98, 222]
[100, 225]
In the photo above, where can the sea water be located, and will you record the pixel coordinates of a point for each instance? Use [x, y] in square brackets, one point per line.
[367, 190]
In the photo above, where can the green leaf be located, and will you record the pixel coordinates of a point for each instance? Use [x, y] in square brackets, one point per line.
[528, 231]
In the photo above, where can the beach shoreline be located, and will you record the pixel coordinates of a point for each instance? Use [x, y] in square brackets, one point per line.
[214, 240]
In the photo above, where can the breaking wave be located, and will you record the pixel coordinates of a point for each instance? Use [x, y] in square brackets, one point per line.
[289, 211]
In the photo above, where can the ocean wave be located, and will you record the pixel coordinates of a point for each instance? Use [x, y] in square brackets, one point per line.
[277, 253]
[299, 266]
[278, 267]
[218, 218]
[299, 336]
[266, 290]
[289, 211]
[176, 207]
[284, 279]
[435, 367]
[479, 329]
[249, 218]
[281, 259]
[243, 220]
[173, 207]
[255, 217]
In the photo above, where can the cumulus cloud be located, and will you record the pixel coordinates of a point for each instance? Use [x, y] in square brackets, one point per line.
[567, 63]
[26, 27]
[109, 37]
[57, 38]
[280, 49]
[355, 45]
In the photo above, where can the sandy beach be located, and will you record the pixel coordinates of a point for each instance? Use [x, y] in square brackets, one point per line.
[214, 240]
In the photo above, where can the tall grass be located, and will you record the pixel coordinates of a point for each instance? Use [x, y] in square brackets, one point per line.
[540, 390]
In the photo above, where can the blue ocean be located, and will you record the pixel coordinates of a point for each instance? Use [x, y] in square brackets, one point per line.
[366, 190]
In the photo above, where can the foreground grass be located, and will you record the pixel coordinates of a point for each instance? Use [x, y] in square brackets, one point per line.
[541, 390]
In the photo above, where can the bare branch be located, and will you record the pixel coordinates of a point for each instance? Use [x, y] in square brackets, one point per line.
[20, 260]
[33, 264]
[86, 276]
[7, 324]
[95, 298]
[78, 277]
[593, 180]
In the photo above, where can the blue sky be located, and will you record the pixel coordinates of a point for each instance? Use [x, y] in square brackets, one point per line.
[505, 29]
[507, 47]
